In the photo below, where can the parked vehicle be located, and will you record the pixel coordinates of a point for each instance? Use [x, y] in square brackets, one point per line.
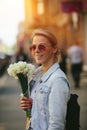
[4, 62]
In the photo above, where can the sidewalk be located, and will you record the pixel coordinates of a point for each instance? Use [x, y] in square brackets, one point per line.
[11, 115]
[82, 99]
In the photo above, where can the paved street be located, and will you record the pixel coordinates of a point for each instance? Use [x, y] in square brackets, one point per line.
[13, 118]
[82, 93]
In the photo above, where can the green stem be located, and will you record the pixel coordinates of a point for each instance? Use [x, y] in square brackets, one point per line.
[24, 86]
[23, 81]
[28, 112]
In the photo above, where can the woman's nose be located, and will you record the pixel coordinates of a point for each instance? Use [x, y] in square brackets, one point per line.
[37, 49]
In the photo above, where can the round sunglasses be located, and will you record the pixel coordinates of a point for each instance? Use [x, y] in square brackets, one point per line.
[40, 47]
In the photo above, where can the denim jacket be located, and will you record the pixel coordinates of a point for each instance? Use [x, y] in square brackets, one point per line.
[50, 95]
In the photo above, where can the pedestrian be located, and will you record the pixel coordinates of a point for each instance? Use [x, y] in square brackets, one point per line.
[21, 55]
[50, 92]
[63, 60]
[75, 53]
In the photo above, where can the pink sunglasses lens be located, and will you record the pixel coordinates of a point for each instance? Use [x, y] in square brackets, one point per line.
[32, 48]
[40, 47]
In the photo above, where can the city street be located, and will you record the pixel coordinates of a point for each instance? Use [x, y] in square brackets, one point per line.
[42, 32]
[13, 118]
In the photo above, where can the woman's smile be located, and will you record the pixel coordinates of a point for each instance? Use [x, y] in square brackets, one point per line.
[38, 56]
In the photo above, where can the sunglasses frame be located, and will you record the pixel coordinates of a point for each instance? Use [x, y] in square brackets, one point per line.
[40, 47]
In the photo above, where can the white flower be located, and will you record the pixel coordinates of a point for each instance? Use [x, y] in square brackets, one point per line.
[21, 67]
[22, 71]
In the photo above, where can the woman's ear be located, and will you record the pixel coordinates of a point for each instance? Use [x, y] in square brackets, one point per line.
[55, 49]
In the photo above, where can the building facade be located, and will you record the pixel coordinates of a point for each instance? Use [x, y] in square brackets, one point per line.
[65, 18]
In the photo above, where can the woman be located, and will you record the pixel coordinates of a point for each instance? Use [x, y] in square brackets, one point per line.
[50, 92]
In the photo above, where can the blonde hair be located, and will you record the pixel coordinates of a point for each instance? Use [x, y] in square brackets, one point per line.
[47, 34]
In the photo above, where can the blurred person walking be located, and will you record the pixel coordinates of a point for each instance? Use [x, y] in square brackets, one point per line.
[75, 53]
[63, 60]
[21, 55]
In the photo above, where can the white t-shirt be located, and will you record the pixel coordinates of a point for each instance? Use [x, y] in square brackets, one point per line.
[75, 54]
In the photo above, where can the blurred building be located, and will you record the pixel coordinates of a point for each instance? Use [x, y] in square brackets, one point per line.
[66, 18]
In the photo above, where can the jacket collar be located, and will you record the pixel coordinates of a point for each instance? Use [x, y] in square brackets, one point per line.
[50, 71]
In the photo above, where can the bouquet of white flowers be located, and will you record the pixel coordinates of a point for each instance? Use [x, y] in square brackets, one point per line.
[22, 71]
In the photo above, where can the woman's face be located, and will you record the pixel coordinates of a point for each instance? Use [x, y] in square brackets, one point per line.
[42, 50]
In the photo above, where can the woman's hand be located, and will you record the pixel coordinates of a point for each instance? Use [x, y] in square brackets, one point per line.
[26, 103]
